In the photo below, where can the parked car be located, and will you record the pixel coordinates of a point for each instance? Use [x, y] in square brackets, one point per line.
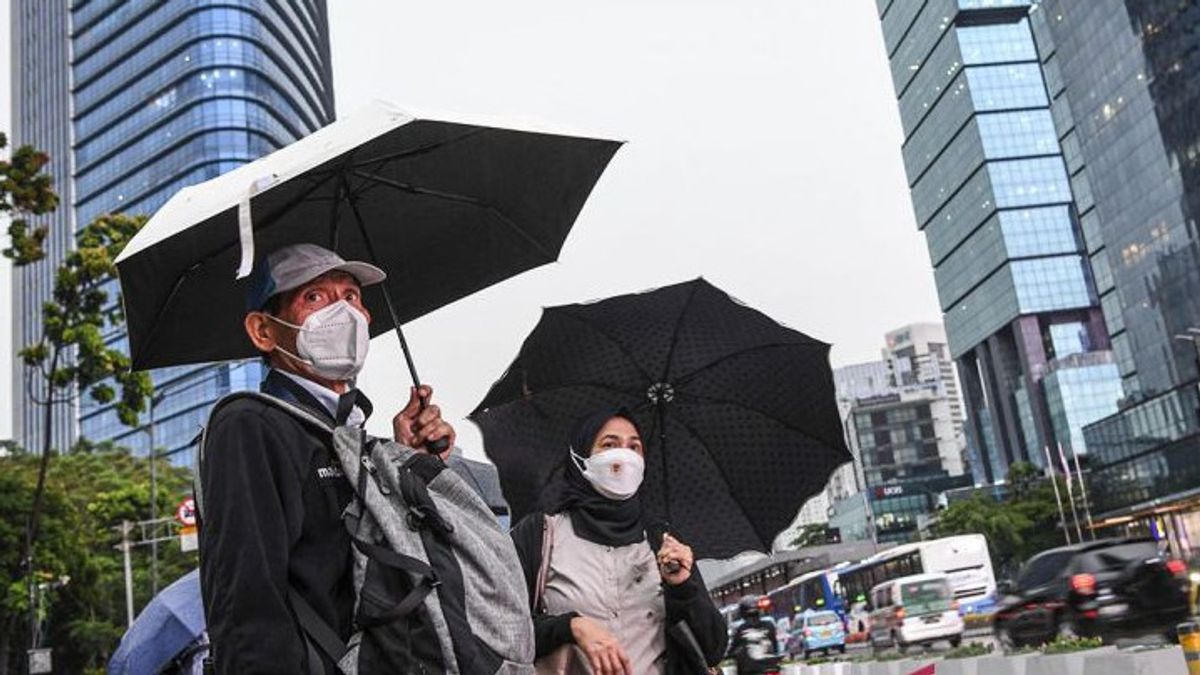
[816, 631]
[1108, 589]
[914, 610]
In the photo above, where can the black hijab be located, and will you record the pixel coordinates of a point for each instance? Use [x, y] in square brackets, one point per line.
[596, 518]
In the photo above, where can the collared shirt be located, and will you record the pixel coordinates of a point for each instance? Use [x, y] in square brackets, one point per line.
[327, 397]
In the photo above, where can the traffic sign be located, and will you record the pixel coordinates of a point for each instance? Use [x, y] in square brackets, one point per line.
[186, 513]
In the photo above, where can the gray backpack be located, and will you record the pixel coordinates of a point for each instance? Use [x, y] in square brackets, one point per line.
[438, 583]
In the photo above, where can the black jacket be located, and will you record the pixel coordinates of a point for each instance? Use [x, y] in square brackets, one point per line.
[688, 602]
[273, 499]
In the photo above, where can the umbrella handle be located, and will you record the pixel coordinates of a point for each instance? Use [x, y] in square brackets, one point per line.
[436, 447]
[440, 445]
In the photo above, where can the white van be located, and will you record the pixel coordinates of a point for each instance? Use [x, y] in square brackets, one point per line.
[918, 609]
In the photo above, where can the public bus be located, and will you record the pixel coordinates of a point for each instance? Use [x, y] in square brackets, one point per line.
[813, 590]
[963, 558]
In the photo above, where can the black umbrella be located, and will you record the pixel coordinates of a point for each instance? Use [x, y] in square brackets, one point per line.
[739, 411]
[445, 207]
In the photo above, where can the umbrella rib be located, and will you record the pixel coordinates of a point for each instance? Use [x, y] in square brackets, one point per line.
[750, 350]
[180, 278]
[417, 151]
[675, 333]
[721, 473]
[600, 331]
[460, 199]
[743, 406]
[566, 385]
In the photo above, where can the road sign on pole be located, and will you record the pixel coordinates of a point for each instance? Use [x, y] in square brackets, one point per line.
[40, 661]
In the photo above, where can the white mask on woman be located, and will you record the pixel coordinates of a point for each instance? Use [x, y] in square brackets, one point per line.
[616, 473]
[333, 341]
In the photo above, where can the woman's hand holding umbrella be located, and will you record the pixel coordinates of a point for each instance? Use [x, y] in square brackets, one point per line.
[674, 561]
[416, 425]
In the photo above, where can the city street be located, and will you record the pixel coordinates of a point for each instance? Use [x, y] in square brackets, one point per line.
[1150, 654]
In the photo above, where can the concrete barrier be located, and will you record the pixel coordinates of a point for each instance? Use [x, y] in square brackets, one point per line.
[958, 667]
[1165, 661]
[1102, 661]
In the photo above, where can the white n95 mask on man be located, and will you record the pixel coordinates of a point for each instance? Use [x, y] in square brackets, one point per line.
[333, 341]
[616, 473]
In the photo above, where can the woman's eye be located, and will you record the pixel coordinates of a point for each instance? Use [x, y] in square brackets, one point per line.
[312, 296]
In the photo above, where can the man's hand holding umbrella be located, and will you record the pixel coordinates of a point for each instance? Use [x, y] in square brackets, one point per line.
[415, 426]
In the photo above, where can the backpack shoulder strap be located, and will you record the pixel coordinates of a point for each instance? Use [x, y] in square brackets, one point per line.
[317, 631]
[297, 412]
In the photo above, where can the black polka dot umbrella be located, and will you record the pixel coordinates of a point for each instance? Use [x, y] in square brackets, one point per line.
[738, 411]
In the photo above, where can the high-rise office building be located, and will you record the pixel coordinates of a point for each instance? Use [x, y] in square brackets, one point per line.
[1129, 73]
[168, 94]
[992, 193]
[41, 107]
[904, 421]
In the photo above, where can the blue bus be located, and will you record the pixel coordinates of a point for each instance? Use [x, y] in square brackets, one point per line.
[811, 591]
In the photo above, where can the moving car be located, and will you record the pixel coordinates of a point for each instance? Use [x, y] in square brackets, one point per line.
[1108, 589]
[817, 631]
[918, 609]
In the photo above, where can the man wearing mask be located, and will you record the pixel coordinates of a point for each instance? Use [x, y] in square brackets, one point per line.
[273, 488]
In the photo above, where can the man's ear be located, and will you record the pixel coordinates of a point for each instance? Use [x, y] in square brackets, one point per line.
[261, 332]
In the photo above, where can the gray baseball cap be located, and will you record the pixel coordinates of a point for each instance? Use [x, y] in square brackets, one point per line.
[290, 267]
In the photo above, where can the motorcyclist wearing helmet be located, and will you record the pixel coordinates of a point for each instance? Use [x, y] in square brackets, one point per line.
[755, 649]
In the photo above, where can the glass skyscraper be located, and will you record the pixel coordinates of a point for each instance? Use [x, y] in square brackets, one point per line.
[41, 105]
[168, 94]
[1131, 77]
[992, 190]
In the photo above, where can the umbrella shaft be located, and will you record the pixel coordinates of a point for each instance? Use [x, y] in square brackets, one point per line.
[433, 446]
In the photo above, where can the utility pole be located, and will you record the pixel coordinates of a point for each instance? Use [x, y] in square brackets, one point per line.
[150, 535]
[126, 529]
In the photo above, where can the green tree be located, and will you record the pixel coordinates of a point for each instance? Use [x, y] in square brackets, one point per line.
[25, 191]
[1004, 527]
[1023, 524]
[811, 535]
[71, 356]
[88, 491]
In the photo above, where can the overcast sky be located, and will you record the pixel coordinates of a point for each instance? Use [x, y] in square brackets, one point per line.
[763, 153]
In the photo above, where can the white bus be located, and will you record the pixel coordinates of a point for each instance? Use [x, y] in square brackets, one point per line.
[963, 558]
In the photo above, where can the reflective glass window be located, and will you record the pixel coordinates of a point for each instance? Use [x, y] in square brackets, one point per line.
[992, 4]
[1006, 87]
[1114, 319]
[1047, 284]
[1018, 134]
[1124, 354]
[1038, 231]
[1102, 272]
[1025, 182]
[996, 43]
[1068, 338]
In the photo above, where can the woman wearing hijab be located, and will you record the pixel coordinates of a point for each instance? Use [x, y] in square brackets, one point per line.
[603, 600]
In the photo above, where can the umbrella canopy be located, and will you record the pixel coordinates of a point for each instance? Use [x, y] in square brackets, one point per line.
[739, 411]
[168, 624]
[445, 207]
